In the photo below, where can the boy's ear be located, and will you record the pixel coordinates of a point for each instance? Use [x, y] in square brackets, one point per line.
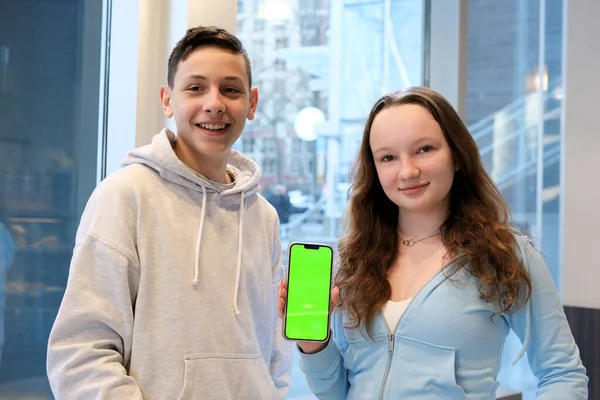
[253, 103]
[165, 101]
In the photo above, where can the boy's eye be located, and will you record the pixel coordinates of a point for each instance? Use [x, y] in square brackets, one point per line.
[194, 88]
[232, 90]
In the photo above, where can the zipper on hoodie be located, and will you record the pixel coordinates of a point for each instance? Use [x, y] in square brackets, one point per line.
[391, 335]
[389, 363]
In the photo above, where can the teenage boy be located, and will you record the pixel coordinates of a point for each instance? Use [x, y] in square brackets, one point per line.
[172, 287]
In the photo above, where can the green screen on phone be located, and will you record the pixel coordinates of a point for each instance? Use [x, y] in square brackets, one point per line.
[309, 289]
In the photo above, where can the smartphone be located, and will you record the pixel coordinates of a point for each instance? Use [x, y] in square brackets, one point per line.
[310, 268]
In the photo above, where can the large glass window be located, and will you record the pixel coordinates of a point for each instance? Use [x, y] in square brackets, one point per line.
[49, 111]
[514, 100]
[319, 66]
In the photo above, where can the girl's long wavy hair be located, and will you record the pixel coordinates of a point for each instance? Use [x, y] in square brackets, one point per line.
[477, 232]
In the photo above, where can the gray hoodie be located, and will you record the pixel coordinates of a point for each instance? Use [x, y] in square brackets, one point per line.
[172, 288]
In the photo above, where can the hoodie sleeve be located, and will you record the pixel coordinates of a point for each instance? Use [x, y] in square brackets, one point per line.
[542, 327]
[90, 342]
[281, 355]
[325, 371]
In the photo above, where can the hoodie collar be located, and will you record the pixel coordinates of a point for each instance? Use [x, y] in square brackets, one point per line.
[160, 156]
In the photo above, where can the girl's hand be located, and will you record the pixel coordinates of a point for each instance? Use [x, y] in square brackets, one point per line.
[306, 347]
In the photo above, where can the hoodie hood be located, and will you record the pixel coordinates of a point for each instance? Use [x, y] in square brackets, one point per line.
[160, 156]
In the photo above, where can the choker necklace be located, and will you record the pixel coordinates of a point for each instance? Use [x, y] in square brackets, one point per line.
[412, 242]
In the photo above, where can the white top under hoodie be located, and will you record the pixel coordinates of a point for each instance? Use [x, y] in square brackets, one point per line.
[172, 288]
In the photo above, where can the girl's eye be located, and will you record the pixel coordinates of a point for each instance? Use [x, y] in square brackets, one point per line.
[425, 149]
[387, 158]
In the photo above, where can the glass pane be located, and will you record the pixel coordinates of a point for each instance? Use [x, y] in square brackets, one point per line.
[514, 101]
[49, 105]
[319, 65]
[552, 133]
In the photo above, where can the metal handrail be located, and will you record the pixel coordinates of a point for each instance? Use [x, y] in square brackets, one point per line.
[479, 128]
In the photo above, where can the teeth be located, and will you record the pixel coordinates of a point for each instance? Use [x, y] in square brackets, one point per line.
[212, 127]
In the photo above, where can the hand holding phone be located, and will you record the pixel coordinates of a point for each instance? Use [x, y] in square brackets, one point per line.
[307, 347]
[307, 296]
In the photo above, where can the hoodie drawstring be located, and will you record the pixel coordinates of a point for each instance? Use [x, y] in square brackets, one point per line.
[197, 266]
[239, 256]
[239, 249]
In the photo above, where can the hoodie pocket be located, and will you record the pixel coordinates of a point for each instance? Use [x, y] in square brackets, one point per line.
[432, 370]
[227, 376]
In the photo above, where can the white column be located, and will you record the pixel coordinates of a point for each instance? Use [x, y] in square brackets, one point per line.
[222, 13]
[122, 82]
[153, 52]
[581, 141]
[448, 51]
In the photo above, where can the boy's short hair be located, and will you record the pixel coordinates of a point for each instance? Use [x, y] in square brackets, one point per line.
[204, 36]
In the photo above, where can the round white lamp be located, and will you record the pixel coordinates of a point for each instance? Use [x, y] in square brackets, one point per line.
[305, 121]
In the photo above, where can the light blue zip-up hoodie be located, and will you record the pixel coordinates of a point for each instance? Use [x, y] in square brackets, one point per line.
[446, 348]
[172, 288]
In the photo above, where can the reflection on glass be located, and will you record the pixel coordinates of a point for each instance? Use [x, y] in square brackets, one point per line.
[49, 91]
[337, 56]
[513, 110]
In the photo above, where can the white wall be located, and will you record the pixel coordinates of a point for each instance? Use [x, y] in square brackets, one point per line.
[448, 51]
[581, 146]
